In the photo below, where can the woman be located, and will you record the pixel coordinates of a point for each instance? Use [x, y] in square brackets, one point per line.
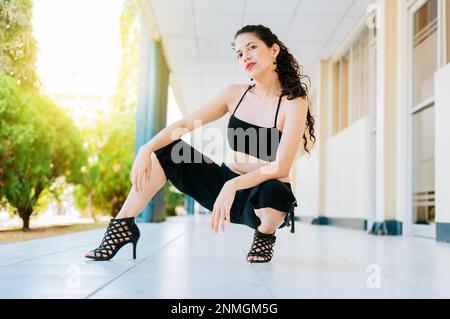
[253, 190]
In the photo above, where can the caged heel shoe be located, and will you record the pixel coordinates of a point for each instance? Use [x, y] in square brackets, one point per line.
[119, 233]
[262, 247]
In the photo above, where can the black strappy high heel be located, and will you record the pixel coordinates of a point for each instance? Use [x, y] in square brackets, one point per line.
[119, 233]
[262, 246]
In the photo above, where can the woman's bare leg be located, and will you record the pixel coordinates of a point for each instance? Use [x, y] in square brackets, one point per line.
[135, 202]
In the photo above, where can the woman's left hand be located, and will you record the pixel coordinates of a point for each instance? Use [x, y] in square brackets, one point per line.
[222, 207]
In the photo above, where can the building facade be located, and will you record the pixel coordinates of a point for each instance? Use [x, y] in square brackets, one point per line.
[382, 106]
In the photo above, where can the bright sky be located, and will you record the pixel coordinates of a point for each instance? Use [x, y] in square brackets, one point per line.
[78, 38]
[80, 53]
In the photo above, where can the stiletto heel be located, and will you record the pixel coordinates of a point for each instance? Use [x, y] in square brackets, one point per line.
[119, 233]
[134, 249]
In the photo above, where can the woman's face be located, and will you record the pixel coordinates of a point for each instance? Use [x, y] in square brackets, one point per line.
[253, 55]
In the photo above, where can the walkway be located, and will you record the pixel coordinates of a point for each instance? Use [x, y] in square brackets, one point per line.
[182, 258]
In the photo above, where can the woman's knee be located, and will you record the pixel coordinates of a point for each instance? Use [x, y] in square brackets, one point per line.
[271, 219]
[155, 160]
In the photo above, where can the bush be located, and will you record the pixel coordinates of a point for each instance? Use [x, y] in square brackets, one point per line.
[172, 198]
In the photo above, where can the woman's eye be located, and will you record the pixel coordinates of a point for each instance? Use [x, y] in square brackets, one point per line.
[240, 54]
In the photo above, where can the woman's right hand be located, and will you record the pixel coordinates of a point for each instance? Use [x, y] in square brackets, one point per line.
[141, 168]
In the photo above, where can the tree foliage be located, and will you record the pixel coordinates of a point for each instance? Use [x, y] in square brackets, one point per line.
[17, 45]
[38, 143]
[110, 143]
[127, 82]
[106, 176]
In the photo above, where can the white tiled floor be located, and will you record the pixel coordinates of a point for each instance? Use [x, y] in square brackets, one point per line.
[182, 258]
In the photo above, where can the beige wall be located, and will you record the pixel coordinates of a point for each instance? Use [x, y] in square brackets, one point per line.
[442, 173]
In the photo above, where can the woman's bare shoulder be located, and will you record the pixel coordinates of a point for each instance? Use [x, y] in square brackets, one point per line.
[297, 102]
[237, 87]
[296, 108]
[235, 91]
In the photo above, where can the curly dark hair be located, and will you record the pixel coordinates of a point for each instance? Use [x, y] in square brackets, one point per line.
[290, 72]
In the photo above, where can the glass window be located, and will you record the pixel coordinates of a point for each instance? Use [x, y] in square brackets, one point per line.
[424, 51]
[424, 64]
[344, 94]
[356, 84]
[353, 75]
[360, 78]
[423, 166]
[336, 79]
[365, 78]
[372, 83]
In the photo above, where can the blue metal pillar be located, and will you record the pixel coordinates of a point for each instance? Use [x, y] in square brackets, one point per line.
[151, 108]
[190, 202]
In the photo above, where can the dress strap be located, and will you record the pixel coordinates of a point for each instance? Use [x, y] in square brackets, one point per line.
[276, 114]
[249, 87]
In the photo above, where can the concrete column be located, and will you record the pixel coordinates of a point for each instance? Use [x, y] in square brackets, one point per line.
[324, 120]
[386, 112]
[152, 108]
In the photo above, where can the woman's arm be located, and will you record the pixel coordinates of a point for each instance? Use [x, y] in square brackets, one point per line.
[294, 127]
[210, 111]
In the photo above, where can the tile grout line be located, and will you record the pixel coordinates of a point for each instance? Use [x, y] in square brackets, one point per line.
[390, 276]
[137, 263]
[254, 267]
[363, 266]
[50, 254]
[46, 255]
[53, 253]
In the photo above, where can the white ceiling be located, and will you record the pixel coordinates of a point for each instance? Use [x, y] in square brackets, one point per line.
[196, 37]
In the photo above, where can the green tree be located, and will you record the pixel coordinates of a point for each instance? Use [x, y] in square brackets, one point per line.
[106, 181]
[84, 192]
[114, 163]
[38, 143]
[110, 143]
[16, 131]
[17, 44]
[172, 199]
[127, 82]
